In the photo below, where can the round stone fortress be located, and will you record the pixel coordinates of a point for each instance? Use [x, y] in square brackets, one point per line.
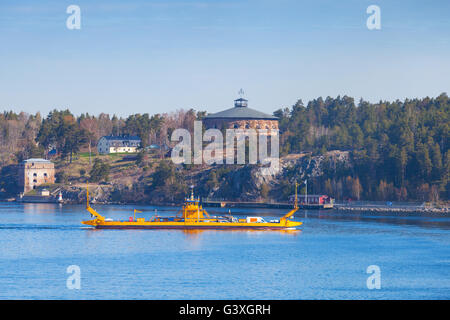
[241, 117]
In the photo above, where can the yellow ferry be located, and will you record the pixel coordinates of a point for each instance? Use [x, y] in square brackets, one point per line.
[193, 216]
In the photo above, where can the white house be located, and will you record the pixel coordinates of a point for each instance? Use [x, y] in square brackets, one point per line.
[118, 144]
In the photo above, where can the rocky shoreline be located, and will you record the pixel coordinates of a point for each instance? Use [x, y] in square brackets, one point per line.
[445, 210]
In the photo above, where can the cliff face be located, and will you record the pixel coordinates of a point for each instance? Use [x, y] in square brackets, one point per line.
[305, 166]
[246, 183]
[97, 194]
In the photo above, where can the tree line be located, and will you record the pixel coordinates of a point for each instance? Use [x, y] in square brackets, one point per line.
[399, 150]
[23, 136]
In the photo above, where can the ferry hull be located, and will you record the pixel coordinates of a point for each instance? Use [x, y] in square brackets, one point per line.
[196, 227]
[203, 226]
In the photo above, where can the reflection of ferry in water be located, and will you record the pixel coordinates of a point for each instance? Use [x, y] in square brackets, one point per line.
[193, 216]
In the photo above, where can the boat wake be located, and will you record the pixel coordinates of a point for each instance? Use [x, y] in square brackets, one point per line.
[38, 227]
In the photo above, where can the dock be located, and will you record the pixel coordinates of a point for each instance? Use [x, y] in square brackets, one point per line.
[44, 196]
[38, 199]
[256, 204]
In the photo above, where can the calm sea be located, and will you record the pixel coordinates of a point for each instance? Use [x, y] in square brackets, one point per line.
[327, 259]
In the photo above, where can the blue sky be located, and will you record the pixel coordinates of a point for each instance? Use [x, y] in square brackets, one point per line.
[160, 56]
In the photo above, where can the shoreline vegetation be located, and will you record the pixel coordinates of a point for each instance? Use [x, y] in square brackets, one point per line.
[387, 151]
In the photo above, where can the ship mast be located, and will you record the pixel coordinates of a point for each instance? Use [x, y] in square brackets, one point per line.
[296, 200]
[306, 192]
[192, 192]
[88, 207]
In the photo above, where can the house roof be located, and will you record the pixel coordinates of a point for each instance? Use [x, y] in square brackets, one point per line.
[122, 138]
[36, 160]
[123, 141]
[241, 112]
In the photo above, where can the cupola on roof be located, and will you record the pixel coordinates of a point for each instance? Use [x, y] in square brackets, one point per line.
[241, 111]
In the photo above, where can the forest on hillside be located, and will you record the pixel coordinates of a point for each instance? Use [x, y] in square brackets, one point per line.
[399, 150]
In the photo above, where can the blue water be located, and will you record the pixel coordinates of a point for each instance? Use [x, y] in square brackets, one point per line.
[327, 259]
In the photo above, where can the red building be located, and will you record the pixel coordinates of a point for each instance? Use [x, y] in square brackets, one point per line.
[312, 199]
